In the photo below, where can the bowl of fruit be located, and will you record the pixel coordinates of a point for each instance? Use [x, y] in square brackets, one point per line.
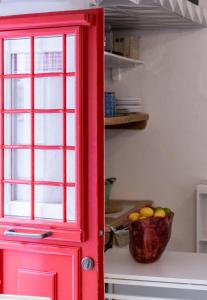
[149, 232]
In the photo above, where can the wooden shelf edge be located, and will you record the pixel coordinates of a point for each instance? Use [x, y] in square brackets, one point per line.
[131, 121]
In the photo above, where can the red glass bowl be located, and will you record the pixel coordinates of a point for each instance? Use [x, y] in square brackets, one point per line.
[149, 238]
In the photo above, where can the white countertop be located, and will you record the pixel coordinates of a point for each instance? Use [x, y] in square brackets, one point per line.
[172, 267]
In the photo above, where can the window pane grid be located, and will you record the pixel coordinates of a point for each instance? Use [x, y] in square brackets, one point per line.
[37, 75]
[41, 147]
[29, 182]
[43, 111]
[64, 147]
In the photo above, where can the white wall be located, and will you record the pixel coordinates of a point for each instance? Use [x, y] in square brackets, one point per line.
[166, 161]
[13, 7]
[203, 3]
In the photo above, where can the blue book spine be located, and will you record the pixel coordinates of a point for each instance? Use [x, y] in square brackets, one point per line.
[110, 104]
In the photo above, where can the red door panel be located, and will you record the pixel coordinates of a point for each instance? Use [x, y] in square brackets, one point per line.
[41, 271]
[31, 282]
[51, 154]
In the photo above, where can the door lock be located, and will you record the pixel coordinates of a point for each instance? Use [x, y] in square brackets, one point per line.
[87, 263]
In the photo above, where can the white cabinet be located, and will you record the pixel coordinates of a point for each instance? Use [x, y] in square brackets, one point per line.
[176, 275]
[201, 218]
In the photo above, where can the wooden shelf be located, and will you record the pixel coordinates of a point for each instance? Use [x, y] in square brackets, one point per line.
[114, 61]
[131, 121]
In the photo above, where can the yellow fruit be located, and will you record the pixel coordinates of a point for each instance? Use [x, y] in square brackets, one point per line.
[146, 212]
[158, 208]
[159, 213]
[133, 217]
[142, 218]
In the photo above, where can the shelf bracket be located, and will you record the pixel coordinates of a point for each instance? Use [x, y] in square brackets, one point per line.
[116, 74]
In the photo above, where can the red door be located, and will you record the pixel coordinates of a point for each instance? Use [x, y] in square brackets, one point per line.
[51, 143]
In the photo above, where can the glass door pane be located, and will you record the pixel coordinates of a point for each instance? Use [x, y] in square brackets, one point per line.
[71, 163]
[71, 129]
[17, 93]
[71, 92]
[17, 164]
[48, 129]
[49, 165]
[49, 93]
[17, 56]
[48, 202]
[71, 204]
[71, 53]
[17, 200]
[17, 129]
[48, 54]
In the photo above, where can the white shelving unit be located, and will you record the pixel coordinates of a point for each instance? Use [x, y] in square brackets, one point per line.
[117, 63]
[152, 14]
[113, 61]
[201, 217]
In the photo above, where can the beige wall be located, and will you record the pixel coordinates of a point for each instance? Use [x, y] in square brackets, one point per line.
[166, 161]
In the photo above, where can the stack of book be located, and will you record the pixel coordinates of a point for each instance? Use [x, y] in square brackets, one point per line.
[129, 105]
[110, 104]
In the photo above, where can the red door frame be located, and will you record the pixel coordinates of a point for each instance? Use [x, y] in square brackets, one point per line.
[89, 237]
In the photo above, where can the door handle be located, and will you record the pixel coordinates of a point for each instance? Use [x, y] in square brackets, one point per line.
[13, 233]
[87, 263]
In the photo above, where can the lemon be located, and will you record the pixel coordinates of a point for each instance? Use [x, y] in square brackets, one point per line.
[133, 217]
[167, 210]
[159, 212]
[146, 212]
[142, 218]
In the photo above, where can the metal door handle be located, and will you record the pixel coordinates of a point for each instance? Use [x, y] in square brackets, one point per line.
[13, 233]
